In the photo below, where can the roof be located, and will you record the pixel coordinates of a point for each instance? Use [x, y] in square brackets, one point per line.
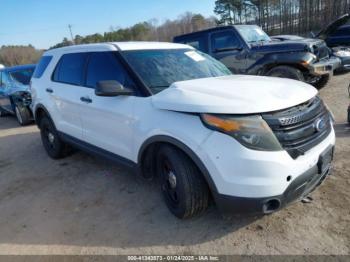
[19, 67]
[117, 46]
[211, 30]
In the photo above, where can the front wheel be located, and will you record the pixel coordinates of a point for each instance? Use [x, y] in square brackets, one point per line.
[321, 81]
[23, 115]
[183, 187]
[286, 72]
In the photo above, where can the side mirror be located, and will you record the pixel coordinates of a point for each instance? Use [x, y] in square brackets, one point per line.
[112, 88]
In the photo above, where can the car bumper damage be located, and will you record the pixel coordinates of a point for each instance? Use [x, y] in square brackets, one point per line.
[325, 67]
[297, 190]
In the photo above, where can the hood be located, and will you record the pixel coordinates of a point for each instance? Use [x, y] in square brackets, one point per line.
[279, 46]
[235, 94]
[332, 27]
[287, 44]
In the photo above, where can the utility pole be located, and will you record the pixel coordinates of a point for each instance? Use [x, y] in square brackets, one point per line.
[71, 33]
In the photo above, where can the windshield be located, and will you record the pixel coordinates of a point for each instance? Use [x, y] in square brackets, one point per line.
[160, 68]
[253, 34]
[22, 76]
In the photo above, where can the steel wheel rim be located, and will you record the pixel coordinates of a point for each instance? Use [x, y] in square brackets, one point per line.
[169, 183]
[49, 137]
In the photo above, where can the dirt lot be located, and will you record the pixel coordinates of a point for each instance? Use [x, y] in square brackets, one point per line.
[85, 205]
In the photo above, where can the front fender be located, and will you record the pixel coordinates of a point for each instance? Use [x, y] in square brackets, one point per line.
[268, 61]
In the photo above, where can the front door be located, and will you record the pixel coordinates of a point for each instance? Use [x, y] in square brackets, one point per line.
[108, 121]
[228, 49]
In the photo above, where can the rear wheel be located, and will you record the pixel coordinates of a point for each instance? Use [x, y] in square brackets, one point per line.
[23, 115]
[286, 72]
[183, 187]
[52, 143]
[2, 113]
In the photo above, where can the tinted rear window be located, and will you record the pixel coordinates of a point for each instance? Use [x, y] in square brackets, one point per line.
[70, 69]
[22, 76]
[41, 66]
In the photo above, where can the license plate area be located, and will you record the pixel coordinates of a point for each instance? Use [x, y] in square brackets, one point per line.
[325, 160]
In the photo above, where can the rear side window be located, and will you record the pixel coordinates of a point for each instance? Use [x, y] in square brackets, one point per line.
[224, 40]
[41, 66]
[70, 69]
[105, 66]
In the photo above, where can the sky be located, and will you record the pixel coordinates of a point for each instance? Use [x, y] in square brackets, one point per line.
[44, 23]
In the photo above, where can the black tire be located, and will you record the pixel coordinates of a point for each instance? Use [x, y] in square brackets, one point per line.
[2, 113]
[23, 115]
[188, 196]
[321, 82]
[286, 72]
[52, 143]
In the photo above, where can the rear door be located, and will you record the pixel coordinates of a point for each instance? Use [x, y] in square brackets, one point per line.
[65, 91]
[108, 121]
[228, 49]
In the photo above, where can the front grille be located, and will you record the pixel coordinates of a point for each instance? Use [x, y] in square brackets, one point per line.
[302, 127]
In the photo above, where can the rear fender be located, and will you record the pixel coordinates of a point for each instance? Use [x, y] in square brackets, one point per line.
[21, 98]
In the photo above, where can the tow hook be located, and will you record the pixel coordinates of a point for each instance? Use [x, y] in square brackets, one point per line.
[307, 200]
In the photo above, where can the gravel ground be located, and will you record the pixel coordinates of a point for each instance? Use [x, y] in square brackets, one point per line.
[85, 205]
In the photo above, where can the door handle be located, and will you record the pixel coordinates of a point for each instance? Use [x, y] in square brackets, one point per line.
[49, 90]
[87, 100]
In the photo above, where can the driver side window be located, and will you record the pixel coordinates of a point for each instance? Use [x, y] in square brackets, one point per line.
[105, 66]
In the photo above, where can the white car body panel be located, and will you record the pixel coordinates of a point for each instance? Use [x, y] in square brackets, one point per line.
[108, 122]
[235, 94]
[121, 125]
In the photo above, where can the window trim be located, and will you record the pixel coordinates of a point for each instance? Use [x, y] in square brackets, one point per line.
[141, 90]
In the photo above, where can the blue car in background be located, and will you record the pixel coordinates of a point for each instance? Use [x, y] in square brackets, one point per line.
[15, 96]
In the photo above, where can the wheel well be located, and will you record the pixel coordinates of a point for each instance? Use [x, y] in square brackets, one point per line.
[12, 103]
[271, 66]
[39, 114]
[147, 160]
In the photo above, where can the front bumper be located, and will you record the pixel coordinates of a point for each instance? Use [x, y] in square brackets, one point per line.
[345, 63]
[297, 190]
[246, 180]
[325, 67]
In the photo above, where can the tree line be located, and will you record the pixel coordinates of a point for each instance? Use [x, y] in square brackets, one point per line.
[19, 55]
[151, 30]
[298, 17]
[281, 16]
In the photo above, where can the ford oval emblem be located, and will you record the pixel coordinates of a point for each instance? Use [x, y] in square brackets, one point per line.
[320, 124]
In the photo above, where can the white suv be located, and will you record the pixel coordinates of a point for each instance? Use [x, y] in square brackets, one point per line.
[253, 144]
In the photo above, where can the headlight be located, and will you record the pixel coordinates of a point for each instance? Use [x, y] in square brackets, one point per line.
[251, 131]
[342, 53]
